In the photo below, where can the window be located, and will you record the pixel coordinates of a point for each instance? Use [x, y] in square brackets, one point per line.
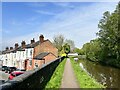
[6, 62]
[14, 55]
[36, 65]
[30, 62]
[14, 63]
[30, 52]
[26, 52]
[23, 54]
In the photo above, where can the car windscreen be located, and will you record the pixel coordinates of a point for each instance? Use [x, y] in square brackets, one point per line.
[18, 74]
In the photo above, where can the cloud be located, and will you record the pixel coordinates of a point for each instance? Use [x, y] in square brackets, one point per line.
[45, 12]
[79, 24]
[11, 41]
[64, 4]
[36, 4]
[15, 23]
[7, 31]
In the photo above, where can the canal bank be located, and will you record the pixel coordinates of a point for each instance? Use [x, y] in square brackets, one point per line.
[106, 75]
[85, 81]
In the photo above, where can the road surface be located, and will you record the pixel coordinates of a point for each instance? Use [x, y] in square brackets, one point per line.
[3, 77]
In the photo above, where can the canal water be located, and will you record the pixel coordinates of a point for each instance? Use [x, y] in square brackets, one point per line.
[105, 75]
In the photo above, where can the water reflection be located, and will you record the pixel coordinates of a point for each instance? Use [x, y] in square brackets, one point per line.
[105, 75]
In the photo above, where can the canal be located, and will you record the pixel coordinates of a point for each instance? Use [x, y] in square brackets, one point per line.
[105, 75]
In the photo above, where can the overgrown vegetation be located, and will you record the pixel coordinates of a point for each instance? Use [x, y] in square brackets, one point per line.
[56, 78]
[106, 48]
[85, 81]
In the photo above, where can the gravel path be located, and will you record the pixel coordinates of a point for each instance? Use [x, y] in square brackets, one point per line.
[69, 80]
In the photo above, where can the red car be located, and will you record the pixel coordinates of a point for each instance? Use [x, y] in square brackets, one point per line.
[14, 74]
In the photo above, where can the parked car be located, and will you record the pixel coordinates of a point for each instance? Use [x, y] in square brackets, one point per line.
[0, 68]
[4, 68]
[2, 82]
[15, 74]
[20, 69]
[11, 69]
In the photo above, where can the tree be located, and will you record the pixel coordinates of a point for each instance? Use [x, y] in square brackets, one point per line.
[109, 33]
[79, 51]
[86, 49]
[58, 41]
[71, 43]
[92, 50]
[109, 36]
[66, 48]
[106, 48]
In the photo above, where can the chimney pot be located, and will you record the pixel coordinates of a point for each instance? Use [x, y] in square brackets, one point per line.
[11, 48]
[41, 38]
[23, 44]
[16, 45]
[7, 48]
[32, 41]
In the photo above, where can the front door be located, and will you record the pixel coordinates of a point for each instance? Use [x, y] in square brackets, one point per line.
[25, 64]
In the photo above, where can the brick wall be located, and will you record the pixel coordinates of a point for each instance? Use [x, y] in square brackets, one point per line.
[49, 57]
[38, 62]
[29, 67]
[34, 79]
[48, 47]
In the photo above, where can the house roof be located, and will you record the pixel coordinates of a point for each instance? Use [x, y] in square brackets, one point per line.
[41, 56]
[22, 49]
[28, 46]
[32, 45]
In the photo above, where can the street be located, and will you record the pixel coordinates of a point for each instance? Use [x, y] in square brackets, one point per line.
[3, 77]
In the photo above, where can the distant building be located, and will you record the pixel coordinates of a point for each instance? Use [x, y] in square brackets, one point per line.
[43, 58]
[29, 56]
[1, 62]
[41, 47]
[73, 54]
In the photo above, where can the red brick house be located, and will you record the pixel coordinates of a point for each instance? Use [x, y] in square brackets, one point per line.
[44, 52]
[43, 58]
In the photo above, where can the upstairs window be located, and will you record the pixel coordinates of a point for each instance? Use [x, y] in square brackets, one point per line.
[26, 52]
[30, 52]
[14, 55]
[23, 54]
[30, 62]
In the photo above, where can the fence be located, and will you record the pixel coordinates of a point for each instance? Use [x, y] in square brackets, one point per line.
[34, 79]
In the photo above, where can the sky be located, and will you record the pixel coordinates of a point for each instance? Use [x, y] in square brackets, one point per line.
[77, 21]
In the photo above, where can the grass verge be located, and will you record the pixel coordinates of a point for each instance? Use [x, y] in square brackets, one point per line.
[56, 78]
[84, 80]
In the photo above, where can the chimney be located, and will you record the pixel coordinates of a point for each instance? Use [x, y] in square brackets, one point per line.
[16, 45]
[23, 44]
[7, 48]
[11, 48]
[41, 38]
[32, 41]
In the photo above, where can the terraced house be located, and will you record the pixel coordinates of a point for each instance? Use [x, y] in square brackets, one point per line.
[30, 56]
